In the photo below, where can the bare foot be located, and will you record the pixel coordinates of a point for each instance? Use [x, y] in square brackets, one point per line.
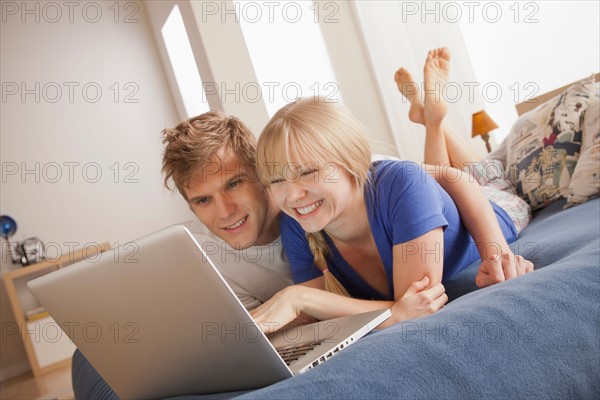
[435, 72]
[409, 88]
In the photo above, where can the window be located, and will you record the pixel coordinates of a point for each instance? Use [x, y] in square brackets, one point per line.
[287, 50]
[183, 64]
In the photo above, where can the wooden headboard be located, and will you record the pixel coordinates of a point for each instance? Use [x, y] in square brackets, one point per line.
[530, 104]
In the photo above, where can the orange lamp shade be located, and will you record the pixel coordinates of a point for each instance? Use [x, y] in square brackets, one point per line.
[482, 125]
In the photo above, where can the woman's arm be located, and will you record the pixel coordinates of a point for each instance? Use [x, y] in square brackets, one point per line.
[290, 302]
[417, 258]
[475, 210]
[498, 261]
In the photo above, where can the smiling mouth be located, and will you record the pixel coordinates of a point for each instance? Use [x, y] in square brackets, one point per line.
[237, 224]
[310, 208]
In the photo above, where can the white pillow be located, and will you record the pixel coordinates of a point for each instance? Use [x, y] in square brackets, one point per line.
[544, 145]
[585, 182]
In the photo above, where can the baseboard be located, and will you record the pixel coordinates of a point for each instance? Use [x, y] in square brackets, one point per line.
[14, 370]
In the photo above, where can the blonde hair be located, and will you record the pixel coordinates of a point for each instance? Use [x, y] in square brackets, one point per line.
[314, 130]
[198, 141]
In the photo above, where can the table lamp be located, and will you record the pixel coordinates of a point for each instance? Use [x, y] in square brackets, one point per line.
[28, 251]
[482, 125]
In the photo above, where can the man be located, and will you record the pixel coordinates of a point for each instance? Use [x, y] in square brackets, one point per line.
[211, 160]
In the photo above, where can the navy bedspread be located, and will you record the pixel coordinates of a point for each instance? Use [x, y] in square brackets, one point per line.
[534, 336]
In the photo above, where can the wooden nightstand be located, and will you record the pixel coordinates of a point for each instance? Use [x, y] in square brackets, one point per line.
[47, 346]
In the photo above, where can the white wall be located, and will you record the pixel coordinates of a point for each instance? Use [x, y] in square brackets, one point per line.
[354, 73]
[394, 38]
[49, 131]
[534, 47]
[506, 45]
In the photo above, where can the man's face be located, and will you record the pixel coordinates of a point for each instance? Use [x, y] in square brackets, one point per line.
[230, 201]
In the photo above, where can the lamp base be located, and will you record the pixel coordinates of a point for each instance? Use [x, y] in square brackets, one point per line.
[486, 139]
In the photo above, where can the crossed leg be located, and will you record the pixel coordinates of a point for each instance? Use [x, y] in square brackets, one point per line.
[442, 145]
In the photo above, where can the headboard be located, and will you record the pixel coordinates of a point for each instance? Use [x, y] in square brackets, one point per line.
[530, 104]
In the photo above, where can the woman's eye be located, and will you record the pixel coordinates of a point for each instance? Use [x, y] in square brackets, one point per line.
[308, 172]
[277, 180]
[233, 184]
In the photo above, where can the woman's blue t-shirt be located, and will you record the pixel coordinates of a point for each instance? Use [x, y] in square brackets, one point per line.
[403, 202]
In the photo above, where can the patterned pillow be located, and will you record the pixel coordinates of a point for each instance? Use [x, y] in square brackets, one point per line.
[585, 182]
[544, 144]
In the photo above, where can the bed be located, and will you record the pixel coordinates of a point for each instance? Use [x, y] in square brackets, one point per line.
[534, 336]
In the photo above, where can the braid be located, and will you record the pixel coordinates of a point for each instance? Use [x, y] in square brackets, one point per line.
[318, 246]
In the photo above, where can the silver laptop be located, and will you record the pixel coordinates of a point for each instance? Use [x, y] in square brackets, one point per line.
[155, 318]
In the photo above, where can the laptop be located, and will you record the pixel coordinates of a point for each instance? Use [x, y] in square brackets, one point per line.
[156, 319]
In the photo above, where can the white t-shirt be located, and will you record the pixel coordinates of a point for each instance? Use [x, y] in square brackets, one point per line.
[254, 274]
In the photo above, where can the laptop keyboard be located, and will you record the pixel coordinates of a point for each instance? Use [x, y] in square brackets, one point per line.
[293, 352]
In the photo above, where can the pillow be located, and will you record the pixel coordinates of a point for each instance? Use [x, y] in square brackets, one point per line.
[499, 154]
[544, 144]
[585, 182]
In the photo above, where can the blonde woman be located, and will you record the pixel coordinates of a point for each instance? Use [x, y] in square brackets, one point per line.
[374, 235]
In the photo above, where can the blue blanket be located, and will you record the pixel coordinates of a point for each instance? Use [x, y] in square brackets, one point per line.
[533, 336]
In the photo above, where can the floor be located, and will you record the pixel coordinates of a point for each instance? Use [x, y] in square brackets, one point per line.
[55, 385]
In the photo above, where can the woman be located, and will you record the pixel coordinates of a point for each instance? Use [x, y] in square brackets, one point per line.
[377, 236]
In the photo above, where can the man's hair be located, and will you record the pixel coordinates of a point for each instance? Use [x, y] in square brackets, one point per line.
[195, 143]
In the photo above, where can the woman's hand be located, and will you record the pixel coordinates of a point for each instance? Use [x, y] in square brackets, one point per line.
[278, 311]
[495, 269]
[418, 301]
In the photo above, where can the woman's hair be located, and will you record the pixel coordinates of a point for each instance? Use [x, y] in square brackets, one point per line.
[195, 143]
[308, 132]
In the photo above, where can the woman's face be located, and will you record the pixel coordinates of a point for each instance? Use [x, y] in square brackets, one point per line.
[314, 194]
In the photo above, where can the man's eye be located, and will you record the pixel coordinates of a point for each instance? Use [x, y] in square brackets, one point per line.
[201, 201]
[308, 172]
[276, 180]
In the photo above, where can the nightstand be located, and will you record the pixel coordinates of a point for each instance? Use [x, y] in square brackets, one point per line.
[47, 346]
